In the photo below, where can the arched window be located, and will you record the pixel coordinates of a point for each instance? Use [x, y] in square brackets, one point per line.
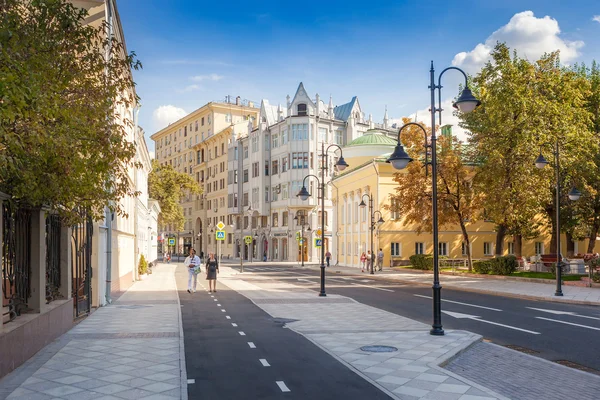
[302, 109]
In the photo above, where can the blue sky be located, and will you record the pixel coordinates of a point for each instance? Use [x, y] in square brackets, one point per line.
[197, 51]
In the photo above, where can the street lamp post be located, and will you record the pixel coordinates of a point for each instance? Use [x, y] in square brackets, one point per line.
[302, 243]
[341, 164]
[465, 103]
[372, 225]
[242, 241]
[574, 195]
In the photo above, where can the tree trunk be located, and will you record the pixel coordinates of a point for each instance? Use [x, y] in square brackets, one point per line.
[468, 243]
[570, 244]
[593, 234]
[500, 235]
[518, 246]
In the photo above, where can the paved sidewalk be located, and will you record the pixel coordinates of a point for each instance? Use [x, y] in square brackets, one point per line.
[341, 326]
[131, 349]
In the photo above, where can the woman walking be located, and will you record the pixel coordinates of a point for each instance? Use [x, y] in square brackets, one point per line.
[363, 259]
[212, 269]
[193, 264]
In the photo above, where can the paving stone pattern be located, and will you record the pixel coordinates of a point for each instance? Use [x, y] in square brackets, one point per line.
[131, 349]
[521, 376]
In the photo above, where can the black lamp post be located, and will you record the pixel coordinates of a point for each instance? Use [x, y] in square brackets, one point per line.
[372, 225]
[341, 164]
[242, 241]
[574, 195]
[465, 103]
[302, 243]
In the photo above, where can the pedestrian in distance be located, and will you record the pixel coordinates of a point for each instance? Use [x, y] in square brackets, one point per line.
[212, 269]
[328, 257]
[369, 260]
[363, 259]
[168, 258]
[192, 262]
[380, 260]
[201, 256]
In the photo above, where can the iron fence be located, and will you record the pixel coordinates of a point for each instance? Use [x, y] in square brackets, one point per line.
[53, 227]
[81, 262]
[16, 261]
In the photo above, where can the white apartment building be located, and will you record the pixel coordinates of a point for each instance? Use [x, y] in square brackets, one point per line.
[267, 165]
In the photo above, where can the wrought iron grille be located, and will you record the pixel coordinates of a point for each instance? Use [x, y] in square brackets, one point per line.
[81, 238]
[53, 227]
[16, 262]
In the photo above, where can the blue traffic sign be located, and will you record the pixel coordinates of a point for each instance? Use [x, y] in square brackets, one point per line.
[318, 242]
[220, 235]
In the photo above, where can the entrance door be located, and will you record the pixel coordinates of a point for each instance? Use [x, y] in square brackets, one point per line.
[303, 250]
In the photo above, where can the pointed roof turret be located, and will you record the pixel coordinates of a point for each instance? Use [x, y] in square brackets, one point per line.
[330, 108]
[385, 119]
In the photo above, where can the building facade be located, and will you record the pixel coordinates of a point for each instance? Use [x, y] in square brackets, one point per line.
[268, 164]
[197, 145]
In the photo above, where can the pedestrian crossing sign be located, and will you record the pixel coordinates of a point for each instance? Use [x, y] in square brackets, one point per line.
[318, 242]
[220, 235]
[171, 241]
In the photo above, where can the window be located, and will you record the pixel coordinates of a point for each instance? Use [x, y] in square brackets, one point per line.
[275, 195]
[539, 248]
[196, 129]
[275, 220]
[227, 117]
[254, 195]
[326, 220]
[284, 164]
[235, 176]
[443, 249]
[306, 160]
[266, 167]
[275, 141]
[245, 152]
[267, 142]
[255, 144]
[275, 167]
[245, 176]
[202, 121]
[284, 219]
[349, 248]
[255, 169]
[302, 109]
[394, 214]
[339, 137]
[322, 134]
[216, 152]
[487, 248]
[343, 215]
[222, 148]
[511, 248]
[463, 248]
[299, 131]
[245, 199]
[396, 249]
[284, 137]
[419, 248]
[285, 192]
[266, 194]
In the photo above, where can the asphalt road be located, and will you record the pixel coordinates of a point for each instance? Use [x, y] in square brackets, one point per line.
[256, 358]
[567, 333]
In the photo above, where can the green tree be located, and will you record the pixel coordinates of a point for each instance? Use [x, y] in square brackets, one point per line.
[168, 186]
[66, 92]
[525, 107]
[458, 200]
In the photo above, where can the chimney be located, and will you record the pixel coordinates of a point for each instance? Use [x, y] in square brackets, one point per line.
[237, 101]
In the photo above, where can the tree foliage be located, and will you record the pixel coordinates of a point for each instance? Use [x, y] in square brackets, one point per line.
[168, 186]
[66, 95]
[458, 199]
[526, 108]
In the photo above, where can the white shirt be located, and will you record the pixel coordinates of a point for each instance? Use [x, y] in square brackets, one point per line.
[192, 261]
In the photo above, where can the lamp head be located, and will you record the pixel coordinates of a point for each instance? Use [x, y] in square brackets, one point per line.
[362, 204]
[341, 164]
[574, 194]
[380, 221]
[303, 194]
[399, 158]
[541, 162]
[466, 102]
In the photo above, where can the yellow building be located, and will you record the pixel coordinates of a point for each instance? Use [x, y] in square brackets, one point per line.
[197, 145]
[369, 174]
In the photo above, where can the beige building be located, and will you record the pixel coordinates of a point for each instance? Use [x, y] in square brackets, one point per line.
[197, 145]
[370, 174]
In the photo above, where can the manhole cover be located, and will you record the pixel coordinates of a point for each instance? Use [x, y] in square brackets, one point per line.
[379, 349]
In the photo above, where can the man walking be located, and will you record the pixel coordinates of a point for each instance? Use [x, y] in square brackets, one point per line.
[328, 257]
[380, 260]
[193, 264]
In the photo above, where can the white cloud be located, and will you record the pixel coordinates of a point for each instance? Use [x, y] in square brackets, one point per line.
[164, 115]
[209, 77]
[530, 36]
[190, 88]
[596, 18]
[447, 119]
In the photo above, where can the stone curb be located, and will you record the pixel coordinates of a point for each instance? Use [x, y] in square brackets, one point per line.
[182, 366]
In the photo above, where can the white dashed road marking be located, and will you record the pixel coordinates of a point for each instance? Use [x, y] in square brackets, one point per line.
[218, 305]
[372, 287]
[242, 333]
[252, 345]
[458, 302]
[223, 310]
[264, 363]
[568, 323]
[232, 324]
[282, 386]
[190, 381]
[228, 317]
